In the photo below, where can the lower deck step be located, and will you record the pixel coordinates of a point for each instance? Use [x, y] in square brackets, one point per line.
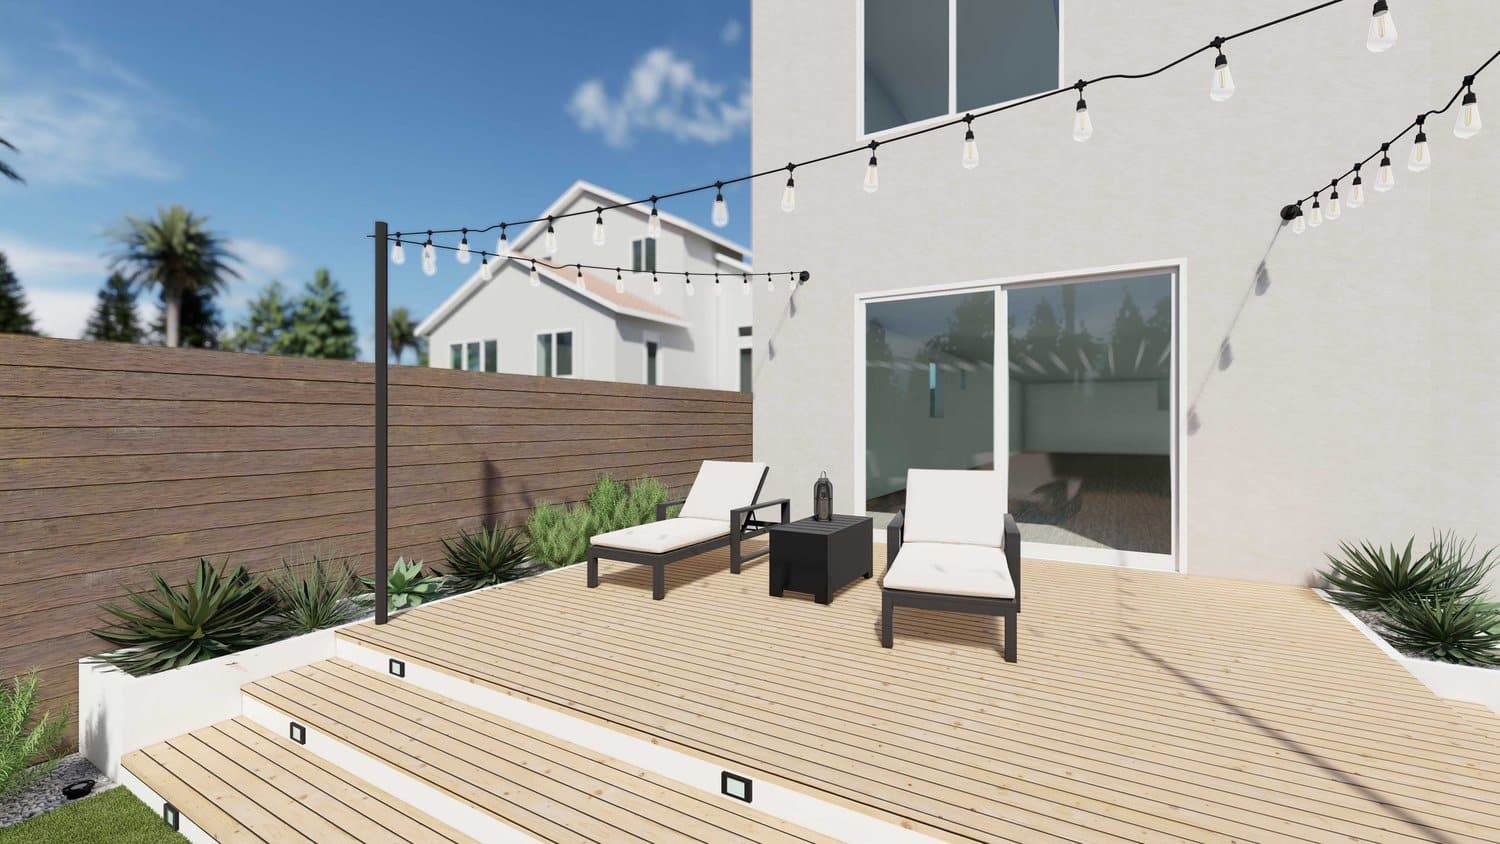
[235, 781]
[465, 761]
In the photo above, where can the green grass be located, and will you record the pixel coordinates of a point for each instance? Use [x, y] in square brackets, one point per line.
[114, 817]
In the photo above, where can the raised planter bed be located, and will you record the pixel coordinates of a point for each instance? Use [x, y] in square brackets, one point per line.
[1466, 683]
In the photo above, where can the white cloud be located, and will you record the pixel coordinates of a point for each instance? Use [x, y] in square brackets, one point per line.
[259, 259]
[662, 94]
[61, 313]
[84, 122]
[732, 31]
[60, 283]
[37, 264]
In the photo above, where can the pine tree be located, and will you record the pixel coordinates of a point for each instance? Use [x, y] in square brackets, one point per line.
[321, 324]
[15, 316]
[114, 316]
[268, 320]
[198, 324]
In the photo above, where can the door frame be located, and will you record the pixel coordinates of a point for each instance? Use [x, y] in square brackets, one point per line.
[1177, 268]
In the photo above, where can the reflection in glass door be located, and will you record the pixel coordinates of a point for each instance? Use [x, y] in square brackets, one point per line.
[1090, 413]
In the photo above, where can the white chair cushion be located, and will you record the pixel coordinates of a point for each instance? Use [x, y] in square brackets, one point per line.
[663, 536]
[950, 569]
[963, 506]
[721, 486]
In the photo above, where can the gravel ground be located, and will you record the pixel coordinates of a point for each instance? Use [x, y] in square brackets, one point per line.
[47, 793]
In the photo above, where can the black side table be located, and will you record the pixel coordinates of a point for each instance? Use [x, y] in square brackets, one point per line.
[821, 557]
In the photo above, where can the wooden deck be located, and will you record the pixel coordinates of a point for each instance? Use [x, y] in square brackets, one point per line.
[1145, 706]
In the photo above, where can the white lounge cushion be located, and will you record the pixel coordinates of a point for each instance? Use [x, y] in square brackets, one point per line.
[949, 569]
[962, 506]
[663, 536]
[721, 486]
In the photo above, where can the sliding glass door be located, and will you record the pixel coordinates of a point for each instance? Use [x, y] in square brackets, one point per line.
[1077, 394]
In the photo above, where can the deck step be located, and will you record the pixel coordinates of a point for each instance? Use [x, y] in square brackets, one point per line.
[235, 781]
[487, 775]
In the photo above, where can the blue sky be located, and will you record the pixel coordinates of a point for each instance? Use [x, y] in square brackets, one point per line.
[293, 126]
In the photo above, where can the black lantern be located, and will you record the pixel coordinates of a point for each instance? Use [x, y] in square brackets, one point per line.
[823, 499]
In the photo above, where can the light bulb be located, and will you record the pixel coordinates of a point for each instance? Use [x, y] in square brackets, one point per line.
[599, 229]
[653, 223]
[1335, 207]
[655, 284]
[1382, 29]
[578, 268]
[770, 284]
[789, 196]
[745, 285]
[1421, 157]
[718, 288]
[429, 267]
[1468, 123]
[1223, 82]
[1385, 177]
[688, 286]
[428, 252]
[1083, 127]
[791, 282]
[721, 211]
[502, 246]
[484, 269]
[872, 176]
[971, 150]
[549, 241]
[398, 254]
[1356, 191]
[463, 250]
[619, 281]
[536, 278]
[1315, 214]
[1299, 222]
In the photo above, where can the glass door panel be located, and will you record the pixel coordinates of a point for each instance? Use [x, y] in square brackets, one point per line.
[1089, 400]
[929, 390]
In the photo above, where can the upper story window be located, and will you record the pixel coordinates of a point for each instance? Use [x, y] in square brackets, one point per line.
[554, 354]
[926, 59]
[643, 255]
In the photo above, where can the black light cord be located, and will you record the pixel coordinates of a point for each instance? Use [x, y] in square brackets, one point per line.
[1384, 148]
[965, 119]
[801, 275]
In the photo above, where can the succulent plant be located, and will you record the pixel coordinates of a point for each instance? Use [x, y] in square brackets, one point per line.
[486, 557]
[1463, 629]
[313, 596]
[406, 585]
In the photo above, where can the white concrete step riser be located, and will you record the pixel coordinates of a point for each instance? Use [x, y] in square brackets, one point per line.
[157, 804]
[773, 799]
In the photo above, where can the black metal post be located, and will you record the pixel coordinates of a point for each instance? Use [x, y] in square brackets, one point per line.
[381, 469]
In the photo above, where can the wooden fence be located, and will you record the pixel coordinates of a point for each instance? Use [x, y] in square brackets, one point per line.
[119, 460]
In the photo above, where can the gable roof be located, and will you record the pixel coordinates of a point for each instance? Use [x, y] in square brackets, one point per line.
[594, 288]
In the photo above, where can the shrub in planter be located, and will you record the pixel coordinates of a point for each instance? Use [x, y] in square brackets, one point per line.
[1463, 629]
[560, 536]
[314, 596]
[19, 745]
[1365, 577]
[214, 615]
[406, 585]
[615, 506]
[486, 557]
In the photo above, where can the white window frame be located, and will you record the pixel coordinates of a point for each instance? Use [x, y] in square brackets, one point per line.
[953, 112]
[553, 334]
[644, 270]
[746, 341]
[652, 337]
[465, 344]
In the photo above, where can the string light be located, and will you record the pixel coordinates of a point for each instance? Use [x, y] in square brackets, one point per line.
[653, 222]
[502, 248]
[718, 288]
[485, 271]
[687, 285]
[1222, 87]
[1385, 177]
[1315, 214]
[1083, 127]
[619, 281]
[599, 227]
[971, 147]
[872, 171]
[1382, 35]
[549, 240]
[463, 249]
[1299, 222]
[791, 282]
[745, 283]
[579, 278]
[429, 257]
[1421, 157]
[655, 284]
[1356, 190]
[770, 284]
[789, 193]
[536, 277]
[1335, 207]
[1468, 124]
[720, 213]
[398, 254]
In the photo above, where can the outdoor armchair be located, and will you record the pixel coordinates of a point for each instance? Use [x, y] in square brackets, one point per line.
[719, 510]
[948, 550]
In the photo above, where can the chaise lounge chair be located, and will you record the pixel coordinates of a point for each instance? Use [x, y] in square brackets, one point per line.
[719, 510]
[948, 550]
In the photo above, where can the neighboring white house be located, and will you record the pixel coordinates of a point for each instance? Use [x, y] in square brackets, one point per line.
[587, 328]
[1170, 378]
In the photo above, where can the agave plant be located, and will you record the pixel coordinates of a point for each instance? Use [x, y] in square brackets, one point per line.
[486, 557]
[406, 586]
[315, 596]
[1367, 577]
[19, 745]
[1461, 569]
[214, 615]
[1464, 629]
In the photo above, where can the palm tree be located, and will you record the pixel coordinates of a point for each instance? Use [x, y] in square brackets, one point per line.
[5, 169]
[401, 333]
[176, 253]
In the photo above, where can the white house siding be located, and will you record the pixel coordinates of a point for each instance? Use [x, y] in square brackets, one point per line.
[1361, 400]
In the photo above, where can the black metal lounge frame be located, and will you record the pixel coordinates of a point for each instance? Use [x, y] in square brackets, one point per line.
[1009, 608]
[743, 525]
